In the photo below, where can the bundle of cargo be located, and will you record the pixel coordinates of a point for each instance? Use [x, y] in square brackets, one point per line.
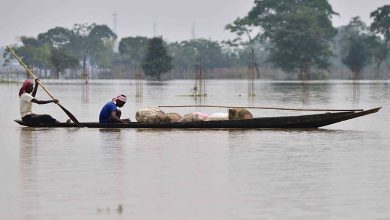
[239, 114]
[220, 116]
[155, 115]
[194, 116]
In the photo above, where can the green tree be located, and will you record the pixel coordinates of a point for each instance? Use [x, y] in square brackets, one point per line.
[49, 41]
[298, 31]
[34, 53]
[61, 60]
[356, 46]
[133, 49]
[156, 59]
[183, 57]
[89, 41]
[301, 43]
[210, 52]
[102, 39]
[381, 27]
[56, 37]
[91, 44]
[242, 27]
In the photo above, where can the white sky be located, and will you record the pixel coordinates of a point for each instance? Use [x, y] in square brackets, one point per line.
[173, 18]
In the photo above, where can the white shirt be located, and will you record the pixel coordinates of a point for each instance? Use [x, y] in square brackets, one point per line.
[25, 104]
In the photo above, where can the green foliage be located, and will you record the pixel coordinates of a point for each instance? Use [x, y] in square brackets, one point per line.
[156, 60]
[270, 15]
[210, 52]
[300, 42]
[356, 46]
[56, 37]
[34, 52]
[104, 56]
[299, 31]
[85, 43]
[381, 27]
[381, 23]
[183, 57]
[88, 43]
[133, 48]
[101, 40]
[242, 27]
[61, 60]
[358, 55]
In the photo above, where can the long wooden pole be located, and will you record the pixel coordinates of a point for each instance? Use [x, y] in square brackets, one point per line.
[71, 116]
[259, 107]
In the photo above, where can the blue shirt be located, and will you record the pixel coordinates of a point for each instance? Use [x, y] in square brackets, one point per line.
[105, 113]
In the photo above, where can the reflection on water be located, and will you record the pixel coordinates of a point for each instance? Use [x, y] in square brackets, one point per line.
[85, 93]
[113, 142]
[251, 100]
[356, 91]
[28, 171]
[110, 130]
[200, 100]
[305, 92]
[337, 172]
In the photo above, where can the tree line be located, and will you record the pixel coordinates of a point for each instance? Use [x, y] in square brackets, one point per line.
[301, 37]
[294, 36]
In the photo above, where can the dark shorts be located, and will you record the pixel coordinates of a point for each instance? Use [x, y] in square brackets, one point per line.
[39, 119]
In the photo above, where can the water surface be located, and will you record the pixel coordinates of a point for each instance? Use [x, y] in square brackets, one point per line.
[341, 171]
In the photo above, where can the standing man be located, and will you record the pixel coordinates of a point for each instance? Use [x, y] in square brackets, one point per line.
[110, 112]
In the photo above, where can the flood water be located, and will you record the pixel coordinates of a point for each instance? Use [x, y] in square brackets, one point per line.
[341, 171]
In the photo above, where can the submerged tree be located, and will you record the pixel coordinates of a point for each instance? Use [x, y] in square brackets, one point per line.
[133, 48]
[34, 52]
[62, 60]
[57, 37]
[242, 27]
[356, 46]
[183, 57]
[88, 43]
[156, 59]
[299, 32]
[212, 53]
[381, 27]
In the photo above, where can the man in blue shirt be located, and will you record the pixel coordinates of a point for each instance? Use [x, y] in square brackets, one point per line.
[110, 112]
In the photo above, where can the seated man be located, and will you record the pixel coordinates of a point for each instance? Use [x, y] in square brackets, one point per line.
[110, 113]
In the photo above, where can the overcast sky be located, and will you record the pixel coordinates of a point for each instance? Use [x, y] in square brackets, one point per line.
[173, 19]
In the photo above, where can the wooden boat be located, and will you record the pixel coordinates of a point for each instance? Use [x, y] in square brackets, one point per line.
[302, 121]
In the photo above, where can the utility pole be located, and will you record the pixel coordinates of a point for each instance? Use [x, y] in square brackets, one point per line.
[154, 29]
[193, 35]
[114, 27]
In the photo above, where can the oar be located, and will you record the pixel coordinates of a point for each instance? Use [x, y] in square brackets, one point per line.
[71, 116]
[260, 107]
